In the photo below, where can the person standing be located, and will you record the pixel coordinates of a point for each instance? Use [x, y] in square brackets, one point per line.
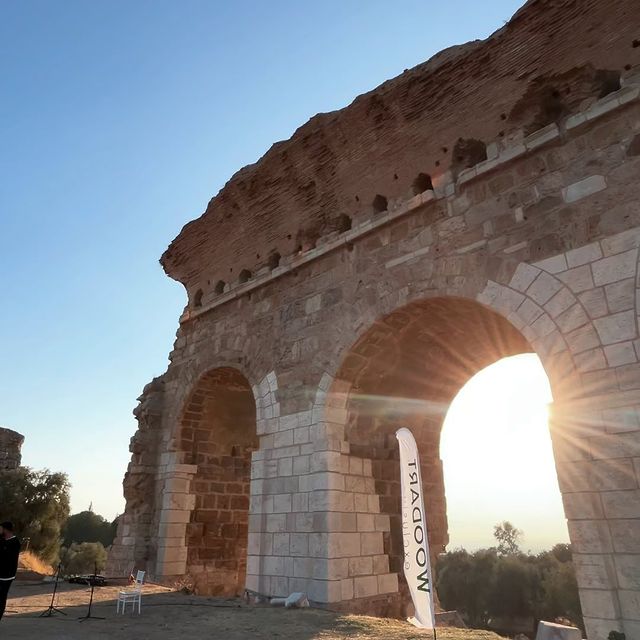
[9, 551]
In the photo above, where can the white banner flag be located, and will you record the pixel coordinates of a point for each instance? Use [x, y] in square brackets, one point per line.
[417, 565]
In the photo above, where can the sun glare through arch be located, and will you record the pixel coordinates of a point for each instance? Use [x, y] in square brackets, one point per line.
[498, 459]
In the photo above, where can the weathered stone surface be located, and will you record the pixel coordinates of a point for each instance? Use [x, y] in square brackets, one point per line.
[595, 571]
[601, 603]
[10, 446]
[329, 300]
[584, 188]
[616, 327]
[615, 268]
[553, 631]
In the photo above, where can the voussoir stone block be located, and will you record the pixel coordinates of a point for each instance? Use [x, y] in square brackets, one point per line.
[614, 268]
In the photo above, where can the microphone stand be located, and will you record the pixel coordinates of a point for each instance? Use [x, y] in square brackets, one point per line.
[52, 610]
[93, 586]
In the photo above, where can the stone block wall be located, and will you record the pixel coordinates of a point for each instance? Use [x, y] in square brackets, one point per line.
[534, 248]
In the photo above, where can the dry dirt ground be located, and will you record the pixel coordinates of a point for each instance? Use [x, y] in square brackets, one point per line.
[168, 615]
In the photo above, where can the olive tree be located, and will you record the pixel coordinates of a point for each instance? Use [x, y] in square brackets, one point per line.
[37, 502]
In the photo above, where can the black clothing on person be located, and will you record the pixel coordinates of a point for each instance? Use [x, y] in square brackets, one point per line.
[9, 551]
[5, 585]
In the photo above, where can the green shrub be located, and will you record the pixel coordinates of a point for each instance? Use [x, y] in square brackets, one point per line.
[486, 584]
[82, 557]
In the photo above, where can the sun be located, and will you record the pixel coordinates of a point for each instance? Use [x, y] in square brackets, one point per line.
[498, 459]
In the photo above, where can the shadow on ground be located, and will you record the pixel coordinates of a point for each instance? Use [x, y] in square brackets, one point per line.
[167, 615]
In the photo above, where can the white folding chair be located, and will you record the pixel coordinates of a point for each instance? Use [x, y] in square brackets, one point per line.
[133, 595]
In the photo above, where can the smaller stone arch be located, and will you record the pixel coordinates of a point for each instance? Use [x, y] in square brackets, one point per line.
[216, 436]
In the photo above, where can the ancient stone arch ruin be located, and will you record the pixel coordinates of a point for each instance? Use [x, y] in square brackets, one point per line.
[10, 448]
[483, 204]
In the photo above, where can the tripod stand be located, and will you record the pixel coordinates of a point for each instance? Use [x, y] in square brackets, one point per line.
[52, 610]
[93, 586]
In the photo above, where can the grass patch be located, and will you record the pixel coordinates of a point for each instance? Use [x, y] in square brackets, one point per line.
[368, 627]
[28, 561]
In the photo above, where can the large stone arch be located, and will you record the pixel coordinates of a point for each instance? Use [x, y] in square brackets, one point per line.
[404, 370]
[548, 308]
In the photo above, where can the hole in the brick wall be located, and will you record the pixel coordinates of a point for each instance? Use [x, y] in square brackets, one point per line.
[344, 223]
[197, 298]
[551, 97]
[551, 110]
[288, 236]
[309, 239]
[503, 116]
[541, 105]
[468, 153]
[357, 199]
[274, 260]
[395, 176]
[635, 44]
[422, 183]
[627, 67]
[445, 149]
[379, 204]
[501, 134]
[257, 256]
[298, 249]
[231, 270]
[219, 288]
[437, 163]
[607, 82]
[244, 276]
[208, 282]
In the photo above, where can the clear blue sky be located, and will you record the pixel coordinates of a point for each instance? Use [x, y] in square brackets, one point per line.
[118, 122]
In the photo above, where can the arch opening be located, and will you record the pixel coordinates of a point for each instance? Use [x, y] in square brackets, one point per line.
[405, 371]
[501, 415]
[218, 434]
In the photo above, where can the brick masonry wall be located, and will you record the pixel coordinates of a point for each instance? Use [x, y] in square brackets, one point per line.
[218, 433]
[550, 60]
[544, 234]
